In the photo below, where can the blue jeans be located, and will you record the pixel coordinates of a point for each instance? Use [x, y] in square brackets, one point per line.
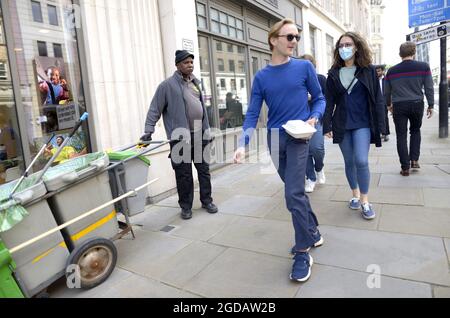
[316, 154]
[289, 156]
[355, 149]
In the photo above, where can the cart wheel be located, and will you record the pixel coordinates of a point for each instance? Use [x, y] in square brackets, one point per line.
[96, 259]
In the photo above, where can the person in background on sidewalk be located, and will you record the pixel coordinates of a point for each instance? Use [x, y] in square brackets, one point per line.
[404, 95]
[180, 102]
[315, 171]
[354, 116]
[284, 85]
[380, 73]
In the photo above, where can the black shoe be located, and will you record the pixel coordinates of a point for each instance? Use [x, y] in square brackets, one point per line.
[405, 172]
[186, 214]
[211, 208]
[415, 165]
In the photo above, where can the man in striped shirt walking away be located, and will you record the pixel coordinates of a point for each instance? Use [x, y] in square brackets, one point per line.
[404, 95]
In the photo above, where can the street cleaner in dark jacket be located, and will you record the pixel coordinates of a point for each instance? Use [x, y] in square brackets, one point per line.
[354, 116]
[180, 102]
[405, 83]
[284, 85]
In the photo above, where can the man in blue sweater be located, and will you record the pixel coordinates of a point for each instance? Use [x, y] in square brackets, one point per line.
[284, 86]
[405, 83]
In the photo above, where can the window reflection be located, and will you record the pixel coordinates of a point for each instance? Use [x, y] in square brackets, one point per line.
[205, 72]
[231, 84]
[11, 158]
[49, 73]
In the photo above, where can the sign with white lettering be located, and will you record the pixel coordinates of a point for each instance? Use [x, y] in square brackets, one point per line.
[423, 12]
[430, 34]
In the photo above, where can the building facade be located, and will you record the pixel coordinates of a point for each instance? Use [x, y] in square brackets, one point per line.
[111, 56]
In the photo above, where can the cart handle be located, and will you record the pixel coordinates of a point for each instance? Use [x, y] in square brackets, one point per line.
[83, 216]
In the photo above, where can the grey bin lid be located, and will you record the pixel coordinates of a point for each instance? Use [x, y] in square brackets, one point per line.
[75, 169]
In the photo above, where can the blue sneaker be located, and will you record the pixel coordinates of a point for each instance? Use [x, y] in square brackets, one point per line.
[301, 270]
[367, 211]
[318, 239]
[355, 204]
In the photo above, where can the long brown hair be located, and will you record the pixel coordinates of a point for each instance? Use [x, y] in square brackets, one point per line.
[363, 55]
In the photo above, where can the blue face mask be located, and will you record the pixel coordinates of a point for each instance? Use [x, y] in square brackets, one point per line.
[346, 53]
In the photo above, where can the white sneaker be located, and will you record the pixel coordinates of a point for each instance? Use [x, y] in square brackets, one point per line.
[321, 177]
[309, 186]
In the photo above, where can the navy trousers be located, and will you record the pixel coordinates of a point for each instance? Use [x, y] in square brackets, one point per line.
[289, 156]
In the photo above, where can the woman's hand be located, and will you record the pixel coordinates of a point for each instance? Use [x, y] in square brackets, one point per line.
[329, 135]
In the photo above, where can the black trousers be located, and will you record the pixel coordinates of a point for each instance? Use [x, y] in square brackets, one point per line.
[182, 155]
[388, 131]
[413, 112]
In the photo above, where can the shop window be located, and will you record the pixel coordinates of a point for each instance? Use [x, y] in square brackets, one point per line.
[37, 11]
[231, 99]
[11, 157]
[52, 15]
[53, 100]
[205, 73]
[42, 48]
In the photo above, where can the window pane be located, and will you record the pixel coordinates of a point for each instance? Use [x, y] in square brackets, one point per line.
[42, 48]
[52, 15]
[233, 32]
[37, 12]
[232, 66]
[223, 18]
[231, 85]
[214, 14]
[239, 24]
[57, 50]
[201, 22]
[240, 35]
[201, 9]
[219, 46]
[231, 21]
[215, 27]
[224, 29]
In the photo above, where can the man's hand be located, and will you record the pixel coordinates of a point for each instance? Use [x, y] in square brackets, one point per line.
[430, 112]
[329, 135]
[239, 155]
[147, 137]
[313, 122]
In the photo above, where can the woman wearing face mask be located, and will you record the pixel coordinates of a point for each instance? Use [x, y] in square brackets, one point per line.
[354, 116]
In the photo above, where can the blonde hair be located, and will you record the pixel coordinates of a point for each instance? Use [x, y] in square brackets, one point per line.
[275, 30]
[310, 58]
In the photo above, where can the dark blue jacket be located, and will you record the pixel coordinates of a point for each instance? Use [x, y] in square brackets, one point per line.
[335, 116]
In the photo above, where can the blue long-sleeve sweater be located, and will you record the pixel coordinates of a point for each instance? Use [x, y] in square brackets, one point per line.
[285, 89]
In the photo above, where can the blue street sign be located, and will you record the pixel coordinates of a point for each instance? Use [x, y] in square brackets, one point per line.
[423, 12]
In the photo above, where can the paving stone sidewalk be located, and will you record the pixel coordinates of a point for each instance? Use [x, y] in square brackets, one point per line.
[243, 251]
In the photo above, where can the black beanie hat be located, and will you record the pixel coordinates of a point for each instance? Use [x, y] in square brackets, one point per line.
[181, 55]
